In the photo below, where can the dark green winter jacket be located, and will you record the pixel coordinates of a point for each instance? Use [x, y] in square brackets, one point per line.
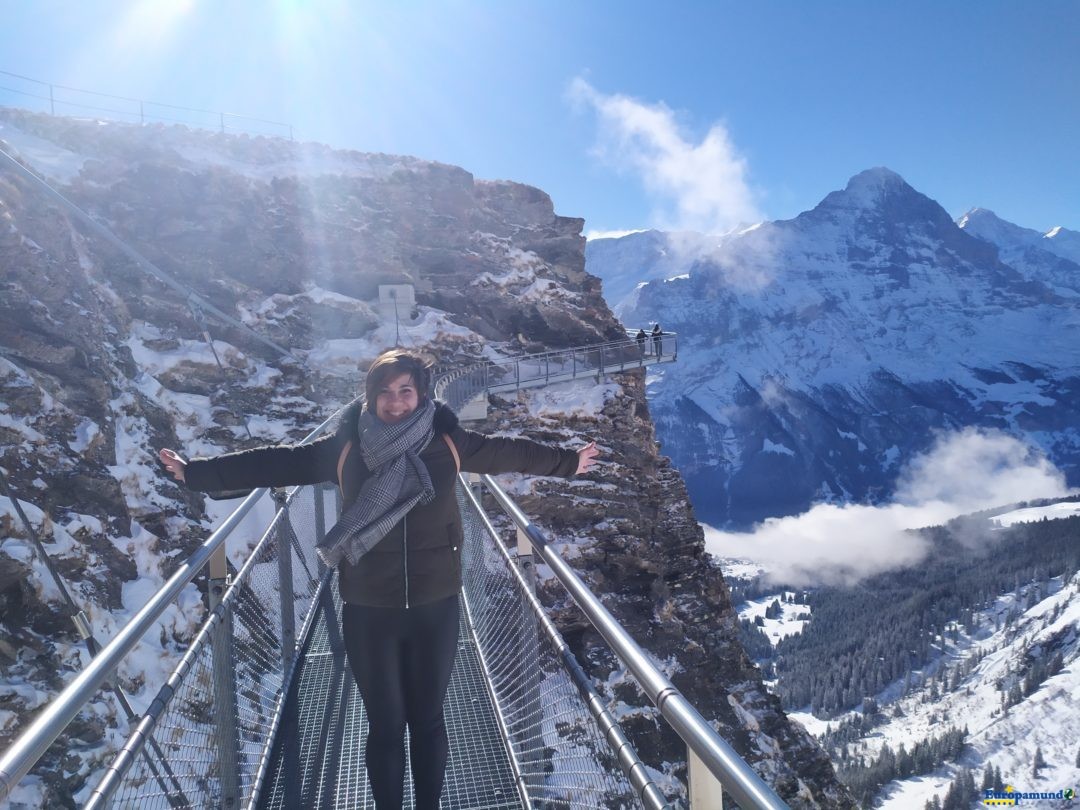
[419, 561]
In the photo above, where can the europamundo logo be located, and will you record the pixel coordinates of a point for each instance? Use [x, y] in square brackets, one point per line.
[1012, 796]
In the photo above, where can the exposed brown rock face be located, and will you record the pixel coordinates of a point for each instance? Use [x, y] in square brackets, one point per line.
[100, 365]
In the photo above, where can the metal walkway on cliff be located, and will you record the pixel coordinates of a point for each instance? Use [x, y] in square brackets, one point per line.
[260, 711]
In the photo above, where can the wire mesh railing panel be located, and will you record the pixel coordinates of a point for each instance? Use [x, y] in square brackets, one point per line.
[236, 670]
[560, 753]
[187, 738]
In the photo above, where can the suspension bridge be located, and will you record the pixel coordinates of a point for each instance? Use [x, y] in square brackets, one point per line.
[260, 710]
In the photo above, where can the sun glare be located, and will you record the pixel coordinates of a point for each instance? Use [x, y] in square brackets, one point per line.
[150, 23]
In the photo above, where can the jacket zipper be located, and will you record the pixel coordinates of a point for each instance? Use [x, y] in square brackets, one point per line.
[405, 554]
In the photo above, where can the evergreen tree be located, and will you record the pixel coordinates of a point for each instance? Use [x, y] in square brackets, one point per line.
[968, 781]
[1057, 663]
[953, 799]
[1039, 762]
[773, 610]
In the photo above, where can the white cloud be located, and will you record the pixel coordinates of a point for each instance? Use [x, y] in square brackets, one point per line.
[701, 186]
[962, 473]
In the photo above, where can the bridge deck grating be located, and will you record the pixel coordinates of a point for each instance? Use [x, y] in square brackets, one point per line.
[318, 756]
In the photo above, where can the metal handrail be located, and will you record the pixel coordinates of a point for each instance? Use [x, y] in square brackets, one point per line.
[573, 349]
[528, 370]
[28, 748]
[736, 776]
[647, 790]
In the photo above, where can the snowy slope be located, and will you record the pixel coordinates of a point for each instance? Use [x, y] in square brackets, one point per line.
[1005, 738]
[967, 684]
[827, 350]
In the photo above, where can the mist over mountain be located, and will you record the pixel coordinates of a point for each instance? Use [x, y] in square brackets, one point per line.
[820, 355]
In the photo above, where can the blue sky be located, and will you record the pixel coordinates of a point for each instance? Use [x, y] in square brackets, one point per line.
[631, 115]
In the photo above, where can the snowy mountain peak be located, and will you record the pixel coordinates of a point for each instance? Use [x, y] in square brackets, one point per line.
[878, 179]
[1062, 242]
[1015, 240]
[880, 193]
[984, 224]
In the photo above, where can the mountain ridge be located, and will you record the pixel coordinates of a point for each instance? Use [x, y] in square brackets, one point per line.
[872, 316]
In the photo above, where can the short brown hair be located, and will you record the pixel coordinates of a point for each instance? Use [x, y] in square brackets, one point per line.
[394, 363]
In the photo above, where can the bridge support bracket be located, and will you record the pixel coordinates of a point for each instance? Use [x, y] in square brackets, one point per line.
[706, 791]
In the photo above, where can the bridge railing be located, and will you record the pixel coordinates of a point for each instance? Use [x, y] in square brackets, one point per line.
[558, 365]
[705, 747]
[213, 718]
[566, 748]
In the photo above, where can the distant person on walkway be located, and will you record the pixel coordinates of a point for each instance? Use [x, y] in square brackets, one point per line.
[641, 337]
[397, 548]
[657, 340]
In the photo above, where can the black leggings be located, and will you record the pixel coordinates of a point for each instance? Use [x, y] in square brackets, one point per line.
[402, 659]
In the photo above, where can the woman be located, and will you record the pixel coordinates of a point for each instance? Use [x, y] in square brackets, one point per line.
[397, 547]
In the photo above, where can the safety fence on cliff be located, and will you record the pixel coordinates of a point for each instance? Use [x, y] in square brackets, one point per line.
[592, 361]
[30, 93]
[215, 718]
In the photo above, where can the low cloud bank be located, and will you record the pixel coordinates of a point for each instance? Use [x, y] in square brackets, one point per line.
[839, 545]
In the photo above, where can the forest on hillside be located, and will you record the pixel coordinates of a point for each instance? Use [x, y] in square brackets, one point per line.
[864, 637]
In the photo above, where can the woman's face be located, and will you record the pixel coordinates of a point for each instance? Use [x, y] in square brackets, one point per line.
[397, 399]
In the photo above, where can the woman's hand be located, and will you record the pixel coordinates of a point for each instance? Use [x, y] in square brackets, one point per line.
[173, 463]
[586, 458]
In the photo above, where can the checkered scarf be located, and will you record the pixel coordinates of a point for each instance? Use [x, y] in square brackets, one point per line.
[399, 481]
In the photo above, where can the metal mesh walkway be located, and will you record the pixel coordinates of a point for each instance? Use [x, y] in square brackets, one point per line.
[318, 756]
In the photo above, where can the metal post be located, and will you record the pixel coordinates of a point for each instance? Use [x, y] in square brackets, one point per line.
[285, 579]
[706, 792]
[397, 321]
[601, 371]
[142, 115]
[224, 710]
[52, 104]
[320, 520]
[528, 655]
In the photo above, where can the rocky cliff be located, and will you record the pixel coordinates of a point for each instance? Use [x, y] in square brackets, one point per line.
[101, 363]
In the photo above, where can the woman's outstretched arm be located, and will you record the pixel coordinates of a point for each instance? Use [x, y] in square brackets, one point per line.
[497, 454]
[274, 466]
